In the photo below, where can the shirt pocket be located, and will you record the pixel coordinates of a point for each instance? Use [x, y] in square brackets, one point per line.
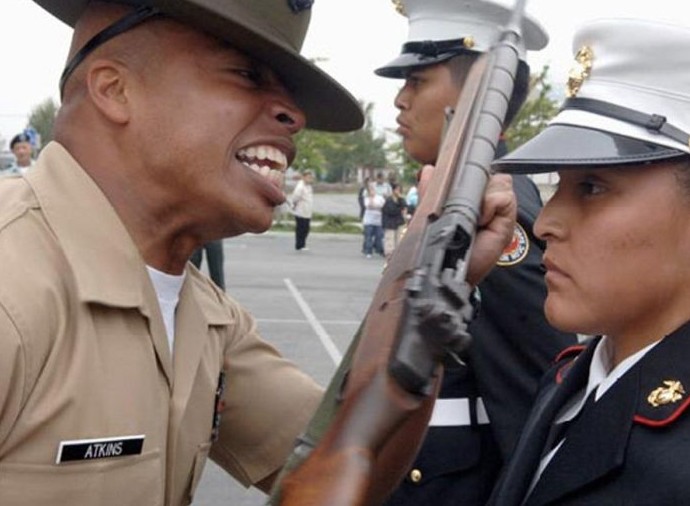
[125, 481]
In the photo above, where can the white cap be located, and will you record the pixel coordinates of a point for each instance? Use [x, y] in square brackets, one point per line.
[460, 25]
[628, 100]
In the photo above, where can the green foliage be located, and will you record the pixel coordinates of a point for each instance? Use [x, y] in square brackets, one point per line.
[407, 167]
[334, 157]
[323, 223]
[535, 113]
[335, 218]
[42, 118]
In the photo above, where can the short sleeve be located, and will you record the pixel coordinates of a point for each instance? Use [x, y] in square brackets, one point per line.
[268, 403]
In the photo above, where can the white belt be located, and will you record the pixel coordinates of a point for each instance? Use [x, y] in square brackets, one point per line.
[456, 412]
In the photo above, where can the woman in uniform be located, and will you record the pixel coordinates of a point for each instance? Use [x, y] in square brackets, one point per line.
[610, 423]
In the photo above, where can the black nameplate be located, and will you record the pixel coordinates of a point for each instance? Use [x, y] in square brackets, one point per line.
[93, 449]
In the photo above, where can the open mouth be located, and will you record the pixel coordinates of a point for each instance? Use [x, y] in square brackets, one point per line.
[268, 161]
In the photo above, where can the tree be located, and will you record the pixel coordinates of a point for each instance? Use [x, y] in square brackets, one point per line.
[334, 156]
[42, 118]
[406, 166]
[311, 148]
[535, 113]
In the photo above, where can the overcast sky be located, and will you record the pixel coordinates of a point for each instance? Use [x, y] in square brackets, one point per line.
[353, 37]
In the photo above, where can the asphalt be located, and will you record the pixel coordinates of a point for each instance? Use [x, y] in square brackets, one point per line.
[308, 304]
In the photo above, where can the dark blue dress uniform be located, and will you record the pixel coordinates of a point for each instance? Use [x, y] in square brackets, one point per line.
[513, 346]
[637, 434]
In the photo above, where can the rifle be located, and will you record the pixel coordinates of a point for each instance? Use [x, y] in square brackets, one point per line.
[374, 416]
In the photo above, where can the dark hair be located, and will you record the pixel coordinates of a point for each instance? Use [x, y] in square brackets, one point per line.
[22, 137]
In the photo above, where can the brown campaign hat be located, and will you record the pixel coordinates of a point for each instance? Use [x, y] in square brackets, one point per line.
[270, 30]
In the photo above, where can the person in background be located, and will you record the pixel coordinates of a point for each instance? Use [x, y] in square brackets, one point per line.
[483, 403]
[372, 222]
[122, 368]
[302, 204]
[412, 199]
[382, 186]
[215, 259]
[393, 218]
[611, 423]
[22, 149]
[361, 195]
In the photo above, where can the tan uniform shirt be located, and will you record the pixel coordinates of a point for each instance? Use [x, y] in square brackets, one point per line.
[93, 409]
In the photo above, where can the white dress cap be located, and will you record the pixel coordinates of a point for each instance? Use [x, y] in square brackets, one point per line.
[442, 29]
[628, 100]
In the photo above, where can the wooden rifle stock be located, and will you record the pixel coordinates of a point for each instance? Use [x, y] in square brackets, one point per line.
[389, 391]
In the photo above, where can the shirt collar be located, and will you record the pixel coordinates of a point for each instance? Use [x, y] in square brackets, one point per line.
[602, 375]
[106, 264]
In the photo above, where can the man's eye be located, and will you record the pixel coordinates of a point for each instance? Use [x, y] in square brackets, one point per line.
[590, 187]
[250, 74]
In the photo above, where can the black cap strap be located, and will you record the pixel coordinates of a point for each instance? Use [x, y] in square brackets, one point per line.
[127, 22]
[652, 122]
[434, 48]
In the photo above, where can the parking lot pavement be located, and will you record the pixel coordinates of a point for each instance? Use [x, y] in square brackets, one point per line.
[308, 304]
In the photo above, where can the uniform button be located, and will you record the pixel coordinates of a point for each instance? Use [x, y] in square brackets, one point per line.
[416, 475]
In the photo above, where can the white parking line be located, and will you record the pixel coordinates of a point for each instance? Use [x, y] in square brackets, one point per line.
[293, 320]
[325, 339]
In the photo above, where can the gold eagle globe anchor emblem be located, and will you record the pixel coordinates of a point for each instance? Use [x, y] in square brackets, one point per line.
[399, 7]
[673, 391]
[580, 72]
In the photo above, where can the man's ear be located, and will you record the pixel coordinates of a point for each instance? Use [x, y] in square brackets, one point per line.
[107, 85]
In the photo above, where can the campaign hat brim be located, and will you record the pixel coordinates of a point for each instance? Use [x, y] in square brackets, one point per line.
[562, 147]
[327, 105]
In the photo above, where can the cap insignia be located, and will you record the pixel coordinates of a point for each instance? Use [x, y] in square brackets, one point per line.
[673, 391]
[298, 6]
[580, 72]
[399, 7]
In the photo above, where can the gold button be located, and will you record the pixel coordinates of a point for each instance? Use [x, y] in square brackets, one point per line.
[416, 475]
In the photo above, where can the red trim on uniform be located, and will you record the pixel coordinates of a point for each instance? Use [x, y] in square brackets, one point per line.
[561, 372]
[570, 350]
[573, 351]
[666, 421]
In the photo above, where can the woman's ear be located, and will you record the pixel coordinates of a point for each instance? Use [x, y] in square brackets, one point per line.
[107, 84]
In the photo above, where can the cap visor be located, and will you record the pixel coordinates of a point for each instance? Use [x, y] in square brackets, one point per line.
[403, 64]
[560, 147]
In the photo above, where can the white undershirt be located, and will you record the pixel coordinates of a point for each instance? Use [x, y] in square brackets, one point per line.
[167, 288]
[601, 378]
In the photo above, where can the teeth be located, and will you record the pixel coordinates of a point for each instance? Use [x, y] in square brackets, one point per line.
[268, 161]
[259, 155]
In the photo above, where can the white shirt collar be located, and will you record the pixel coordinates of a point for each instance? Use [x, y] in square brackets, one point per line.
[602, 375]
